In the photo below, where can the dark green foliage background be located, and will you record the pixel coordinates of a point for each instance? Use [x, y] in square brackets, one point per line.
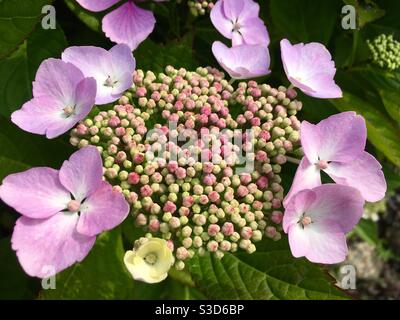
[184, 41]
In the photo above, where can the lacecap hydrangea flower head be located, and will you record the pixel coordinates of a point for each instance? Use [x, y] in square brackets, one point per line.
[195, 159]
[185, 176]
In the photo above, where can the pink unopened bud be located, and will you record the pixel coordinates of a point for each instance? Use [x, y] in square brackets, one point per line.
[213, 229]
[255, 122]
[244, 207]
[138, 158]
[190, 104]
[169, 207]
[141, 219]
[149, 170]
[141, 130]
[208, 167]
[212, 246]
[228, 229]
[262, 182]
[229, 196]
[178, 106]
[190, 124]
[246, 233]
[213, 196]
[227, 172]
[276, 203]
[114, 122]
[242, 191]
[180, 173]
[120, 131]
[133, 178]
[146, 191]
[270, 232]
[213, 118]
[154, 225]
[156, 177]
[170, 245]
[173, 117]
[209, 179]
[121, 156]
[82, 129]
[202, 118]
[203, 199]
[188, 201]
[277, 217]
[206, 110]
[224, 111]
[245, 178]
[257, 205]
[141, 91]
[184, 211]
[172, 166]
[133, 197]
[156, 96]
[261, 156]
[182, 253]
[265, 135]
[291, 93]
[117, 189]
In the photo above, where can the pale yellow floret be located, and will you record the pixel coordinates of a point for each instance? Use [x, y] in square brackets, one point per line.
[150, 261]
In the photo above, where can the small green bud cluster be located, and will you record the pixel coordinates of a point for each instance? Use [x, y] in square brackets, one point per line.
[200, 7]
[198, 196]
[385, 52]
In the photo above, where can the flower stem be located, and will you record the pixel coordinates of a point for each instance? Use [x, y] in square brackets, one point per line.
[182, 277]
[232, 81]
[293, 160]
[356, 36]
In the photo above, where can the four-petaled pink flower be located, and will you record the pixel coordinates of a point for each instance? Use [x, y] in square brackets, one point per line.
[62, 211]
[317, 221]
[243, 61]
[62, 96]
[336, 146]
[310, 68]
[238, 20]
[127, 24]
[113, 69]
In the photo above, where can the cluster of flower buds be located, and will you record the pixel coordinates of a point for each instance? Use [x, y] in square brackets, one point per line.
[385, 51]
[198, 160]
[200, 7]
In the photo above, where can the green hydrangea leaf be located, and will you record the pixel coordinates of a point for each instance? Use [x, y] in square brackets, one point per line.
[18, 19]
[270, 273]
[367, 11]
[303, 20]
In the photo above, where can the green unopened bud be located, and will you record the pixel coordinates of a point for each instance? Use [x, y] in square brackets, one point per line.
[235, 237]
[257, 235]
[187, 242]
[167, 216]
[179, 265]
[251, 249]
[164, 228]
[197, 230]
[186, 231]
[197, 242]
